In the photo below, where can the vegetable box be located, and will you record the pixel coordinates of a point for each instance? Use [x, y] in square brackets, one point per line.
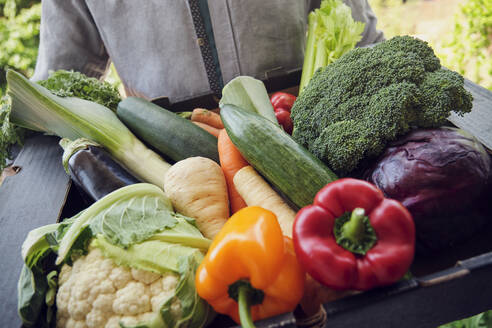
[454, 285]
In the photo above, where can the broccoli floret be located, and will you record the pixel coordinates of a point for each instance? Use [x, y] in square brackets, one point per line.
[353, 107]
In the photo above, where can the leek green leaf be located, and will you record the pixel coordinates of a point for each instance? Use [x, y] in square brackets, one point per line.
[249, 94]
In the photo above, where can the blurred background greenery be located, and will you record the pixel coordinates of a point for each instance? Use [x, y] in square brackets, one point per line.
[19, 36]
[460, 31]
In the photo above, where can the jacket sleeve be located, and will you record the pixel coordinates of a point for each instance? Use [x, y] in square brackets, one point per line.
[362, 12]
[69, 39]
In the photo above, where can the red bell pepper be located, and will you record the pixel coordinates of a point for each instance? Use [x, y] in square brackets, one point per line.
[283, 118]
[354, 238]
[282, 100]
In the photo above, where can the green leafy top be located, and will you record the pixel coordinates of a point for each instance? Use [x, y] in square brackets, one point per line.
[75, 84]
[124, 217]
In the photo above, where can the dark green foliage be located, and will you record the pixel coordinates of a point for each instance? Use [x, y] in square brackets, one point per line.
[370, 96]
[19, 40]
[74, 84]
[19, 37]
[9, 134]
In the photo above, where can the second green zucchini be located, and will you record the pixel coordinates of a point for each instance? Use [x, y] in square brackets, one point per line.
[172, 135]
[283, 162]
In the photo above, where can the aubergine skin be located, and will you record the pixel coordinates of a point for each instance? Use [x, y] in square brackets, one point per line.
[97, 173]
[443, 178]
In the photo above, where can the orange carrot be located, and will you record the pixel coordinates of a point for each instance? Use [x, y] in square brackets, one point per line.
[231, 161]
[208, 117]
[208, 128]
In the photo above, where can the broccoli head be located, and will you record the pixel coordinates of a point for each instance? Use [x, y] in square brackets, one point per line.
[353, 107]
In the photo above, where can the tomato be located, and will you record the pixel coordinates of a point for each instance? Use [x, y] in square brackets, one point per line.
[282, 100]
[283, 118]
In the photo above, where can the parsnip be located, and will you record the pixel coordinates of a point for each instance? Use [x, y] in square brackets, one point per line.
[257, 192]
[196, 186]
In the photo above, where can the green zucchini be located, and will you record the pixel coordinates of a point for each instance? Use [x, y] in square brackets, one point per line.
[288, 166]
[175, 137]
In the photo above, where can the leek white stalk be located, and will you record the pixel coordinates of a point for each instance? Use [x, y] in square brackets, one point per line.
[36, 108]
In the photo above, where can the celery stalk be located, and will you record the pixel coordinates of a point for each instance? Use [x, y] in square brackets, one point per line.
[308, 65]
[35, 107]
[321, 59]
[331, 32]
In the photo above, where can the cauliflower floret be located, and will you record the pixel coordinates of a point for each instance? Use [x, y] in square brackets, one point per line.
[104, 302]
[78, 308]
[76, 323]
[95, 292]
[120, 276]
[65, 273]
[169, 282]
[144, 317]
[156, 287]
[158, 300]
[146, 277]
[132, 299]
[96, 319]
[113, 322]
[176, 308]
[61, 322]
[162, 290]
[63, 297]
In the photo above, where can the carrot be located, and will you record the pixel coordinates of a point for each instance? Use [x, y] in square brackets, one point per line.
[208, 117]
[208, 128]
[231, 161]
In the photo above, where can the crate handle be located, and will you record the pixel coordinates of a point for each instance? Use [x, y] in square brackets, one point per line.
[441, 279]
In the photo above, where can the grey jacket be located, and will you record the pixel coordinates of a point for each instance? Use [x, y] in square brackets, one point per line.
[154, 47]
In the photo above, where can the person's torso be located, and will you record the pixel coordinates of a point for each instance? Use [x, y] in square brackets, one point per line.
[154, 46]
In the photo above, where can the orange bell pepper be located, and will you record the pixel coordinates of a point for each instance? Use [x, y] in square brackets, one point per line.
[250, 271]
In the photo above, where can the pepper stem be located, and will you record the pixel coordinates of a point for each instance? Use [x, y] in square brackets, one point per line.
[354, 228]
[353, 231]
[244, 302]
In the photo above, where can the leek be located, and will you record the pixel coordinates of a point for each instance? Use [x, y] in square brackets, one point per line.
[331, 32]
[36, 108]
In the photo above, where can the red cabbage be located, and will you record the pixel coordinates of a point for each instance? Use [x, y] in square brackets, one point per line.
[440, 175]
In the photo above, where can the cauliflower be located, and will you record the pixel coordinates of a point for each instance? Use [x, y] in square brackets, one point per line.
[138, 268]
[95, 292]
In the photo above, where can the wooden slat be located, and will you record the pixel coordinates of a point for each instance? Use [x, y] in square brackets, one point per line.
[479, 121]
[460, 296]
[31, 198]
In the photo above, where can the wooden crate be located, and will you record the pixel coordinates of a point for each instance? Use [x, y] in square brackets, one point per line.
[452, 286]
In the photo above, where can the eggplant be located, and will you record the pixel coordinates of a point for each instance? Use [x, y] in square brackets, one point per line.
[93, 170]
